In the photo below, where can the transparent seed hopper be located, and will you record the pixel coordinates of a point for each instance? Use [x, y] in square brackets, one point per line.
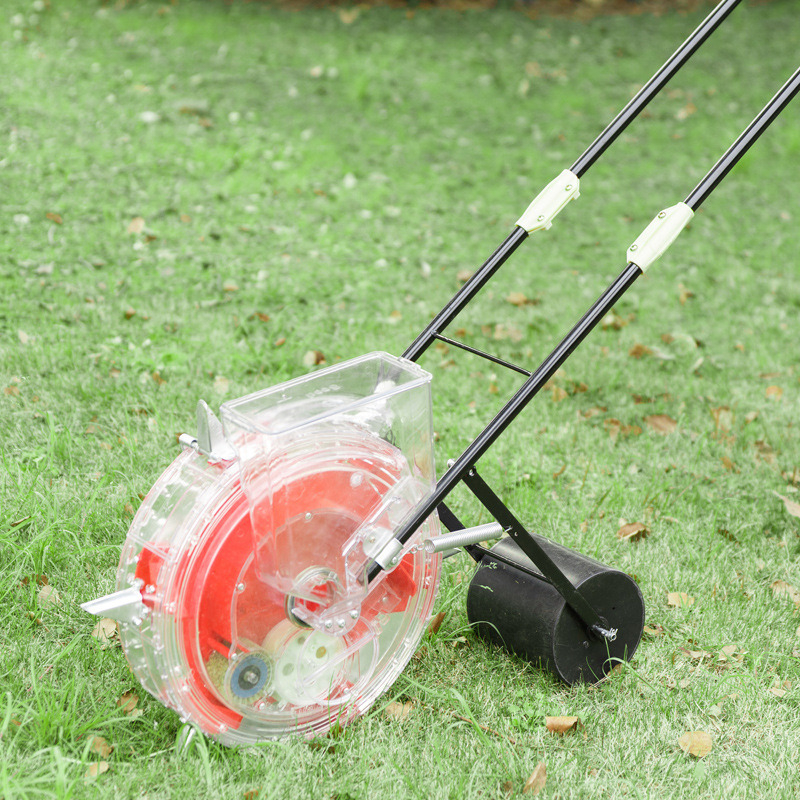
[242, 593]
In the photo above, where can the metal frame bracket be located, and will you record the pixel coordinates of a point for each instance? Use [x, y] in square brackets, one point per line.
[540, 213]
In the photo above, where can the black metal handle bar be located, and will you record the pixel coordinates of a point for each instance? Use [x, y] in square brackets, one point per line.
[601, 307]
[590, 155]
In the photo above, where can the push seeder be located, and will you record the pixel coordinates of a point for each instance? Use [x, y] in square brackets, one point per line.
[280, 574]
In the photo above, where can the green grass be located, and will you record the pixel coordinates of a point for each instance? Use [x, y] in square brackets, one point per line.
[335, 177]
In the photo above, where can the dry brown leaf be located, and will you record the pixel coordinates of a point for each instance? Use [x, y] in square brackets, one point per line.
[792, 507]
[312, 358]
[783, 589]
[96, 769]
[519, 299]
[558, 394]
[106, 632]
[679, 600]
[639, 350]
[613, 321]
[349, 15]
[48, 596]
[773, 393]
[633, 531]
[436, 623]
[128, 702]
[510, 332]
[729, 464]
[99, 745]
[777, 691]
[723, 418]
[696, 743]
[562, 725]
[764, 452]
[653, 630]
[53, 217]
[537, 780]
[397, 710]
[696, 655]
[661, 423]
[136, 225]
[464, 275]
[684, 294]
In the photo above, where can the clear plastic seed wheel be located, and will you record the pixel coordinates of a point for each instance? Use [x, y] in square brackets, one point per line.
[253, 618]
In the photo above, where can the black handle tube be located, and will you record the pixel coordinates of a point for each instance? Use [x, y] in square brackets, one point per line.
[653, 86]
[466, 293]
[523, 396]
[748, 137]
[471, 288]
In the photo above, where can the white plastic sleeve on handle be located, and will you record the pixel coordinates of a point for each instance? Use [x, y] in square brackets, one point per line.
[659, 235]
[540, 213]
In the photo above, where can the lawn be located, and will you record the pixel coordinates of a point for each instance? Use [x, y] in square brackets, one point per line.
[201, 199]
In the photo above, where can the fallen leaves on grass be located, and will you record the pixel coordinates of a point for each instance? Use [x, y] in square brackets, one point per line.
[723, 418]
[106, 632]
[661, 423]
[436, 623]
[792, 507]
[779, 689]
[48, 596]
[537, 780]
[773, 393]
[782, 589]
[764, 452]
[696, 743]
[615, 427]
[519, 299]
[729, 464]
[639, 350]
[562, 725]
[613, 321]
[128, 702]
[221, 384]
[99, 745]
[632, 532]
[397, 710]
[95, 770]
[679, 600]
[136, 225]
[313, 358]
[653, 630]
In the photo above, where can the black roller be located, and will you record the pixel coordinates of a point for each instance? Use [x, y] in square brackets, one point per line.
[519, 610]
